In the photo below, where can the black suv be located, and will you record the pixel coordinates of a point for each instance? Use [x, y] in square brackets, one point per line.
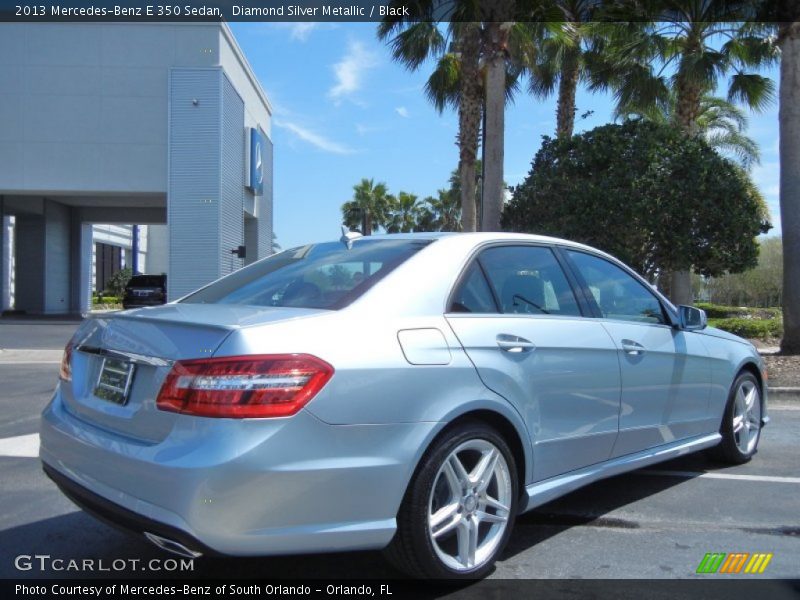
[145, 290]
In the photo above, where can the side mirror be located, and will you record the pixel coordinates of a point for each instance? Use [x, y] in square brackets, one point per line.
[691, 318]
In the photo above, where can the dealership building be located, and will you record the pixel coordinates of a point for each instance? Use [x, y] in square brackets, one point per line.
[127, 145]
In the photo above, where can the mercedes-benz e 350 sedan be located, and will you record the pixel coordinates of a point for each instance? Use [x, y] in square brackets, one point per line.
[408, 392]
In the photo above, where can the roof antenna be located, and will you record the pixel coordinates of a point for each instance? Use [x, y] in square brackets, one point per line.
[348, 237]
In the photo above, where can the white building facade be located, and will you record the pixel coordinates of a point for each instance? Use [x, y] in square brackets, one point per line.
[106, 125]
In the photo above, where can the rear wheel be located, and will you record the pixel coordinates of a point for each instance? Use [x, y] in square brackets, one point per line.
[458, 512]
[741, 424]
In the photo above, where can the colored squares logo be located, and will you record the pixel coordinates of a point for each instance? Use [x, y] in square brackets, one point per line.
[734, 563]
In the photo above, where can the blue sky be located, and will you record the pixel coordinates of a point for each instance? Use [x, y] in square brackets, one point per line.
[343, 110]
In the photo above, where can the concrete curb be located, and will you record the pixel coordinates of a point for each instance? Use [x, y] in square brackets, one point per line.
[12, 356]
[784, 394]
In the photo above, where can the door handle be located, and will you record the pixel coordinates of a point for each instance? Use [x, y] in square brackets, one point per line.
[632, 348]
[513, 343]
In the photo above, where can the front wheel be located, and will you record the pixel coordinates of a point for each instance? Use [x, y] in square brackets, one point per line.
[741, 424]
[458, 512]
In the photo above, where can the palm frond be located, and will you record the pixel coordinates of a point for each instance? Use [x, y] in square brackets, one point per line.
[755, 91]
[742, 147]
[413, 45]
[442, 87]
[642, 91]
[715, 111]
[752, 50]
[701, 68]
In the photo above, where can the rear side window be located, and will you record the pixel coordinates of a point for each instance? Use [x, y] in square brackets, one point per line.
[473, 294]
[524, 279]
[316, 276]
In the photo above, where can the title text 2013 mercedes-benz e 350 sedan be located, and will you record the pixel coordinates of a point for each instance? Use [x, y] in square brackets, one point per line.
[408, 392]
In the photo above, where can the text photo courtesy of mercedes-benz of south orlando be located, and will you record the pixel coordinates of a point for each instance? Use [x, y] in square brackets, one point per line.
[399, 299]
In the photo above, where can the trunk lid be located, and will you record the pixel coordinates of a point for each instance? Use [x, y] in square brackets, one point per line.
[120, 361]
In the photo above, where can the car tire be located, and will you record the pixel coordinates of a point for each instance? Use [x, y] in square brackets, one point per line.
[459, 509]
[741, 423]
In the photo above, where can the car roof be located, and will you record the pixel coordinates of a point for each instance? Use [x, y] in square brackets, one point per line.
[481, 237]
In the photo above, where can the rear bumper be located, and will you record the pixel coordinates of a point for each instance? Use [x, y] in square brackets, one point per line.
[240, 487]
[119, 517]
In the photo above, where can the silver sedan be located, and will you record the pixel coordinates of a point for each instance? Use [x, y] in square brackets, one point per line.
[408, 392]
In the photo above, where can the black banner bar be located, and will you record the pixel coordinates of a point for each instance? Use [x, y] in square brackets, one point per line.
[377, 10]
[711, 588]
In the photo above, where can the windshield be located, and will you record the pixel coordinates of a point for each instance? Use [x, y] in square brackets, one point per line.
[314, 276]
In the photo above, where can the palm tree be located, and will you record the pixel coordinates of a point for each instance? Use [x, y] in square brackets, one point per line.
[402, 214]
[496, 54]
[567, 52]
[477, 55]
[700, 42]
[442, 213]
[367, 210]
[455, 80]
[789, 119]
[721, 122]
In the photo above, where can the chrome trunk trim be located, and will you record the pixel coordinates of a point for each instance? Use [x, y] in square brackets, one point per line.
[139, 359]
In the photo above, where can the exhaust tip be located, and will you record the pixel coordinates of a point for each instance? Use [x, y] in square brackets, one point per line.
[172, 546]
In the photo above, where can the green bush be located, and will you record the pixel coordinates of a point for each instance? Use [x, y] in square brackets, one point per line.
[717, 311]
[116, 285]
[749, 327]
[646, 193]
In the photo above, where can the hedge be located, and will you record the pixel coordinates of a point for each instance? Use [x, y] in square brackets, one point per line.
[718, 311]
[750, 328]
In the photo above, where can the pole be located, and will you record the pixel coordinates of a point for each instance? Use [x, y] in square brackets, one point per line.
[135, 249]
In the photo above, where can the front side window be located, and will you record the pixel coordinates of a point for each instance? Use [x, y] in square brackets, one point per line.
[524, 279]
[617, 294]
[315, 276]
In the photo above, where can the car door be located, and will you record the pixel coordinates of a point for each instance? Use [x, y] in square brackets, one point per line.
[518, 319]
[666, 372]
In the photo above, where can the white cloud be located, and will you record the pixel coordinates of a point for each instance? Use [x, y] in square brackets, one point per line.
[363, 129]
[402, 111]
[301, 31]
[298, 32]
[315, 139]
[350, 70]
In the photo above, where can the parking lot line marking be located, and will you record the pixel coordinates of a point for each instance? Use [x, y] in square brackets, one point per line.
[26, 446]
[735, 477]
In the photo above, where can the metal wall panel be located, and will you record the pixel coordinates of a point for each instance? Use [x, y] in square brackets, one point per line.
[264, 210]
[231, 218]
[195, 131]
[57, 263]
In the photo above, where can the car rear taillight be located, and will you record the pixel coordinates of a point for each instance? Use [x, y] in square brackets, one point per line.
[65, 372]
[276, 385]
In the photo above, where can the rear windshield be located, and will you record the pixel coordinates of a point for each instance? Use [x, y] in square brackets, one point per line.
[316, 276]
[146, 281]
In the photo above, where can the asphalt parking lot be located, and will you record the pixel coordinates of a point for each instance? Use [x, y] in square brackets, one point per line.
[655, 523]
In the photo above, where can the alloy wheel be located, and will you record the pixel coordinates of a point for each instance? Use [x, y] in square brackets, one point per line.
[746, 416]
[470, 505]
